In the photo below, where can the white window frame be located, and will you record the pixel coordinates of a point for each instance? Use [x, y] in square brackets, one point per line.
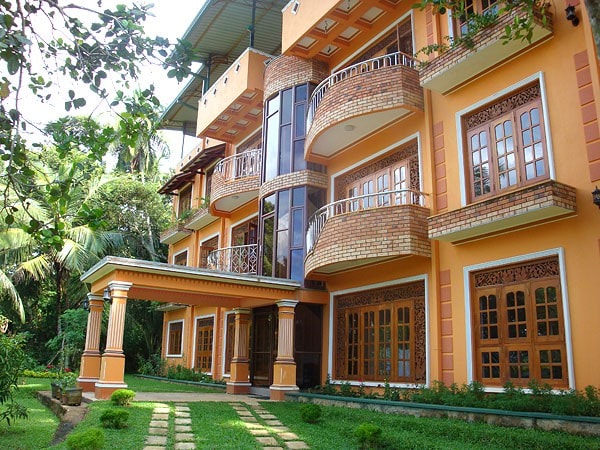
[461, 132]
[467, 270]
[224, 356]
[399, 281]
[180, 354]
[187, 258]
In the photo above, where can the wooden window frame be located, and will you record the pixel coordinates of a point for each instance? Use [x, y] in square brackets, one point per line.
[536, 317]
[366, 353]
[174, 339]
[529, 157]
[204, 343]
[181, 258]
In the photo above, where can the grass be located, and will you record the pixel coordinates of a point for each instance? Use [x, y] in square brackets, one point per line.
[217, 426]
[335, 430]
[35, 432]
[139, 384]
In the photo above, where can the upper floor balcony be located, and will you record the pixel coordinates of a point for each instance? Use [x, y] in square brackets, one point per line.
[461, 63]
[238, 259]
[174, 234]
[330, 30]
[360, 99]
[367, 229]
[235, 181]
[199, 218]
[232, 108]
[528, 206]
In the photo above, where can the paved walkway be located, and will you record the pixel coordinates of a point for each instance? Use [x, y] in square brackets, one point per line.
[269, 432]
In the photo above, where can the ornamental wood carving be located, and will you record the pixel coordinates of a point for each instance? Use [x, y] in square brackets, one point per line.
[516, 274]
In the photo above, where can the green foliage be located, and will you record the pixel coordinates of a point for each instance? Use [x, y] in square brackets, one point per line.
[368, 435]
[71, 339]
[153, 365]
[12, 358]
[90, 439]
[122, 397]
[114, 418]
[310, 413]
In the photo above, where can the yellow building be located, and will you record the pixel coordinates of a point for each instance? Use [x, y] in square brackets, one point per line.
[358, 209]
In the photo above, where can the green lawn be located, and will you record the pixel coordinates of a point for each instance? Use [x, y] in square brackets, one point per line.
[217, 426]
[139, 384]
[335, 430]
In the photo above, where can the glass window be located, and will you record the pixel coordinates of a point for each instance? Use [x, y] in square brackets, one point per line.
[175, 338]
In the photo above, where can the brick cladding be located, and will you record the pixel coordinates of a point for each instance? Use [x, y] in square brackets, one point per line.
[386, 232]
[366, 93]
[221, 188]
[484, 38]
[526, 200]
[289, 180]
[589, 115]
[439, 161]
[287, 71]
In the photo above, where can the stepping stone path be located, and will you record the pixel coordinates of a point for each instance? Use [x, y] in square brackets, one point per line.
[268, 431]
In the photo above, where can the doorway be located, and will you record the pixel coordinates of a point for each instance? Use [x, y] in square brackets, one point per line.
[264, 345]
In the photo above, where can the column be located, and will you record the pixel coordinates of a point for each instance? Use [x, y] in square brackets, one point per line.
[284, 369]
[240, 367]
[89, 372]
[112, 368]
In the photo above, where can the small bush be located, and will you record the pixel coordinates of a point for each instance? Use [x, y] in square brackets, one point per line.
[122, 397]
[90, 439]
[310, 413]
[368, 435]
[114, 418]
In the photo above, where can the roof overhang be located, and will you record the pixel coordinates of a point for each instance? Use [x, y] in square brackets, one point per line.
[187, 285]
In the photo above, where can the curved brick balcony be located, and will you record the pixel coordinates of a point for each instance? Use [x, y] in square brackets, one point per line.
[360, 99]
[365, 230]
[524, 207]
[235, 181]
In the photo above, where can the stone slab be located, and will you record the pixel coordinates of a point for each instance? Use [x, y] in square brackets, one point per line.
[259, 432]
[162, 410]
[179, 437]
[184, 446]
[160, 417]
[156, 440]
[183, 429]
[296, 445]
[183, 421]
[273, 422]
[288, 436]
[158, 431]
[159, 424]
[267, 440]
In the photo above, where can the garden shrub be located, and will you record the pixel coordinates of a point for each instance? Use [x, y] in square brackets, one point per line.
[122, 397]
[114, 418]
[368, 435]
[310, 413]
[90, 439]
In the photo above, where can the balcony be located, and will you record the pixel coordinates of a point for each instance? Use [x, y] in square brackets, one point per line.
[232, 108]
[235, 181]
[174, 234]
[367, 229]
[199, 219]
[461, 63]
[239, 259]
[360, 99]
[529, 206]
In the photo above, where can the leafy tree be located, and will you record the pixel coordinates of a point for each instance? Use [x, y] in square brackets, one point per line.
[12, 358]
[44, 40]
[71, 339]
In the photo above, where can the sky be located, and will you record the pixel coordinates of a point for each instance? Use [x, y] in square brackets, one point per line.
[170, 19]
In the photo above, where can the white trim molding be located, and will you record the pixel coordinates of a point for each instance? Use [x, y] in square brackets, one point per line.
[180, 354]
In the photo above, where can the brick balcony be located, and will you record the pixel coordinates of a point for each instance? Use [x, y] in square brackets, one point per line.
[358, 100]
[235, 181]
[174, 234]
[460, 64]
[528, 206]
[369, 236]
[200, 219]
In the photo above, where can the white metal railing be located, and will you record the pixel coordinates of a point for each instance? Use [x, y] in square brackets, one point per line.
[393, 59]
[238, 259]
[359, 203]
[242, 165]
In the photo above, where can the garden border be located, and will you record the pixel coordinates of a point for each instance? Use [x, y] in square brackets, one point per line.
[580, 425]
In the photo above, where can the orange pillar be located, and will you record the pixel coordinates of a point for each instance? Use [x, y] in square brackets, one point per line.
[89, 373]
[240, 368]
[112, 369]
[284, 369]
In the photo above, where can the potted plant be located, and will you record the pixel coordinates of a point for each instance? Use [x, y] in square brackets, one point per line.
[71, 394]
[55, 383]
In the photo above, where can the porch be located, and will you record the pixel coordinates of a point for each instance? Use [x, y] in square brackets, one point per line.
[117, 280]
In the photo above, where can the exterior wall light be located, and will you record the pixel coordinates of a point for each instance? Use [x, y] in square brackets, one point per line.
[571, 16]
[596, 197]
[85, 304]
[295, 6]
[107, 297]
